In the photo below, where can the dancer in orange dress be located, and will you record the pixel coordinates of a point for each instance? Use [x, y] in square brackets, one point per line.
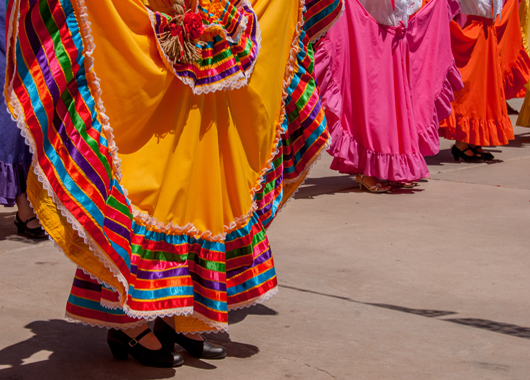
[495, 66]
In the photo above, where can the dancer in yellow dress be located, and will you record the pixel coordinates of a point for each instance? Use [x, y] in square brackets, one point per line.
[166, 137]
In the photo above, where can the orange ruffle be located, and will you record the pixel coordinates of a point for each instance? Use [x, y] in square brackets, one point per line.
[477, 132]
[517, 76]
[514, 60]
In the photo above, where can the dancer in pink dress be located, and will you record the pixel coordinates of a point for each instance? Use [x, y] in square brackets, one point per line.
[386, 80]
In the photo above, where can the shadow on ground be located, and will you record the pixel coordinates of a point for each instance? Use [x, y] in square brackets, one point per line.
[484, 324]
[236, 316]
[314, 187]
[7, 227]
[72, 351]
[8, 230]
[445, 156]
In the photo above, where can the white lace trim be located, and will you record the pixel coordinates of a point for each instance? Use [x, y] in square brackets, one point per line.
[182, 311]
[109, 305]
[321, 34]
[234, 82]
[253, 302]
[101, 324]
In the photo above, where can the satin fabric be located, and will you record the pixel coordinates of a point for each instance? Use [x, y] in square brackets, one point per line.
[384, 121]
[207, 181]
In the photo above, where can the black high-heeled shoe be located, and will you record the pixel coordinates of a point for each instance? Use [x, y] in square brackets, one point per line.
[196, 348]
[23, 229]
[121, 346]
[461, 154]
[487, 156]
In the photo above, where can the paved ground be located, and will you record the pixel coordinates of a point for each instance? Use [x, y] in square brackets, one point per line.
[429, 283]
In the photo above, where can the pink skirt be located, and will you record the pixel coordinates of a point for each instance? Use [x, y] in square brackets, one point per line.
[385, 89]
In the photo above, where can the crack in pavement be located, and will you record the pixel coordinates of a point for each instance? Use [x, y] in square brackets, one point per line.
[309, 366]
[5, 284]
[478, 183]
[31, 246]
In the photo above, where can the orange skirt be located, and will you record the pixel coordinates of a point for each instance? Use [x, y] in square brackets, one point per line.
[494, 67]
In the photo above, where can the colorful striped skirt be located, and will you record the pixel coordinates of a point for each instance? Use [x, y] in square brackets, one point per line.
[158, 178]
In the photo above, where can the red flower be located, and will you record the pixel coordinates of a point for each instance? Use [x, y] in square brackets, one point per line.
[193, 24]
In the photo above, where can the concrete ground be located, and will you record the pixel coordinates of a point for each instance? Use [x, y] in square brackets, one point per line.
[427, 283]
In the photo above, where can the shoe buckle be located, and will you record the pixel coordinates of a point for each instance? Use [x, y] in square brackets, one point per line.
[133, 342]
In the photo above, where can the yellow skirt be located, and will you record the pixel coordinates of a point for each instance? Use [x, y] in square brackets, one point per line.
[158, 177]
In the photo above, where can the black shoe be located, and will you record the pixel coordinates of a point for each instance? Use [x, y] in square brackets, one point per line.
[122, 346]
[196, 348]
[485, 155]
[459, 154]
[33, 233]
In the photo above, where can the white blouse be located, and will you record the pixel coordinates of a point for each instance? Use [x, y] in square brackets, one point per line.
[482, 8]
[382, 12]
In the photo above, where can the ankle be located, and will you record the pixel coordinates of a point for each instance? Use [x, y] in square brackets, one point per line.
[461, 145]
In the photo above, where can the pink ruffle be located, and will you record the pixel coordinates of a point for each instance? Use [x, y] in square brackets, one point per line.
[429, 139]
[352, 158]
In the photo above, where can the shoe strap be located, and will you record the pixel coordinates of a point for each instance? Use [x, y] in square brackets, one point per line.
[476, 153]
[133, 342]
[30, 219]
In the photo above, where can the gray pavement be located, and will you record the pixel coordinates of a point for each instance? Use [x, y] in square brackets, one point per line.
[427, 283]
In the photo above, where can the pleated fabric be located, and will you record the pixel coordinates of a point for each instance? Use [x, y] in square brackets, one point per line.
[385, 89]
[158, 180]
[494, 66]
